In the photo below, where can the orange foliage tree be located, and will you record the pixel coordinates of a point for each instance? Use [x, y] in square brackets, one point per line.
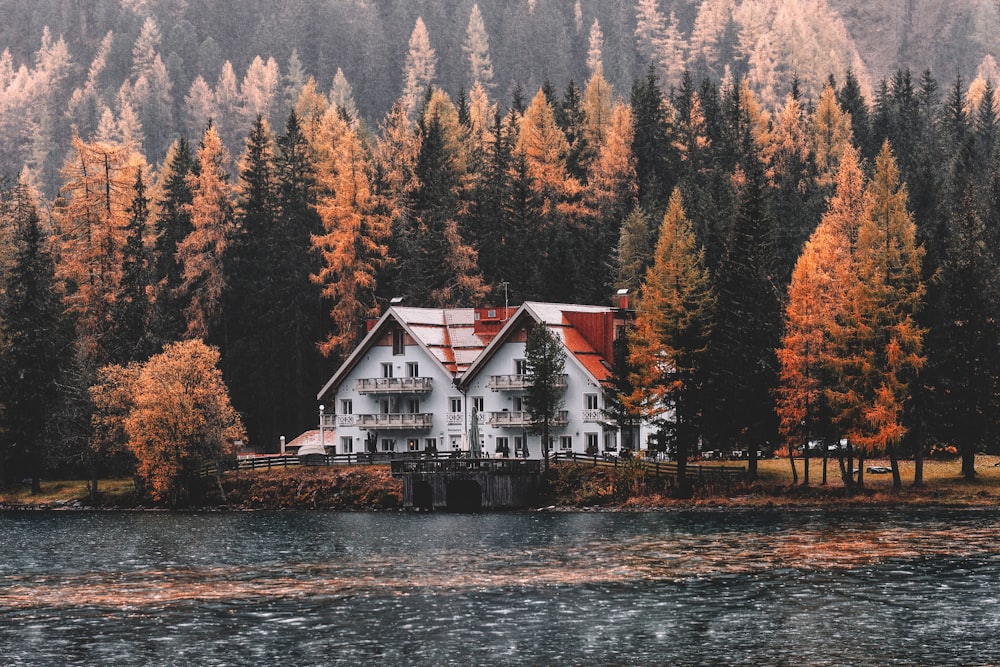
[816, 295]
[177, 417]
[353, 243]
[674, 318]
[878, 344]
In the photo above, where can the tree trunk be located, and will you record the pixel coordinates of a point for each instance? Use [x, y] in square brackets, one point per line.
[218, 481]
[897, 482]
[969, 462]
[791, 461]
[752, 462]
[861, 471]
[826, 459]
[805, 463]
[918, 464]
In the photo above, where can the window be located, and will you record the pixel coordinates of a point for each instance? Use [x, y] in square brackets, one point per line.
[565, 442]
[591, 401]
[431, 444]
[518, 404]
[412, 369]
[518, 444]
[388, 445]
[591, 443]
[520, 367]
[609, 441]
[387, 370]
[413, 406]
[477, 403]
[346, 444]
[398, 341]
[412, 444]
[346, 406]
[383, 406]
[503, 446]
[456, 404]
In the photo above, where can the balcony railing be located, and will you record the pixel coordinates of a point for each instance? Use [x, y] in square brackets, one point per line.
[345, 420]
[406, 385]
[328, 420]
[593, 415]
[517, 382]
[523, 419]
[396, 420]
[454, 419]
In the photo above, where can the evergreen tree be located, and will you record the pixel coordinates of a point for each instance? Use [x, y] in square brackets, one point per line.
[172, 225]
[651, 142]
[748, 327]
[32, 347]
[545, 361]
[132, 307]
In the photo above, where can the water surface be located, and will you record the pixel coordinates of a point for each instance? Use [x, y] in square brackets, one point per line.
[736, 587]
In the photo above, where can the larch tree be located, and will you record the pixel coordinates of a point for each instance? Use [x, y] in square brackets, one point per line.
[91, 220]
[352, 243]
[595, 50]
[477, 50]
[204, 251]
[597, 109]
[675, 315]
[419, 69]
[831, 135]
[878, 345]
[816, 296]
[342, 96]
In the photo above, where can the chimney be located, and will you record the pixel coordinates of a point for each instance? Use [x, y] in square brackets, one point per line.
[621, 299]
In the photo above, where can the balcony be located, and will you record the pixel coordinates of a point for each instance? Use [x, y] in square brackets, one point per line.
[455, 419]
[345, 420]
[396, 420]
[405, 385]
[517, 382]
[593, 416]
[328, 420]
[521, 419]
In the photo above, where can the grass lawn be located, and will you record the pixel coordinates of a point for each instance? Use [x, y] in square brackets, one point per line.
[64, 491]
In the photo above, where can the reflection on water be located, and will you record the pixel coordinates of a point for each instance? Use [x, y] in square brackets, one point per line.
[744, 587]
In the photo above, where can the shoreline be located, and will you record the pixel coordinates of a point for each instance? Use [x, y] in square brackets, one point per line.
[567, 488]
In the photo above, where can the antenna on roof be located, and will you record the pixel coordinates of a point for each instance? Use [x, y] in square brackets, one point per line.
[504, 283]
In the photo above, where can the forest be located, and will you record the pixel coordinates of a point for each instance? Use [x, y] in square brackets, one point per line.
[810, 258]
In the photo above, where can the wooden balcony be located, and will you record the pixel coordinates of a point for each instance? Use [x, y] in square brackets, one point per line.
[396, 421]
[517, 382]
[406, 385]
[521, 419]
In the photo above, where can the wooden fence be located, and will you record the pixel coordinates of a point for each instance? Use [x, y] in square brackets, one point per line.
[696, 473]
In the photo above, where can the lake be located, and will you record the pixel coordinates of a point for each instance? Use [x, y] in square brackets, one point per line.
[743, 587]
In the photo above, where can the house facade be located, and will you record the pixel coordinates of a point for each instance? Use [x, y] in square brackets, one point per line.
[426, 380]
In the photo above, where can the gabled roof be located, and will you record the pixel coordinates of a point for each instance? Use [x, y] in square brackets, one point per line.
[562, 319]
[448, 336]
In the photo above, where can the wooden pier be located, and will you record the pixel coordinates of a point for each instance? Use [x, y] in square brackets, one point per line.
[468, 485]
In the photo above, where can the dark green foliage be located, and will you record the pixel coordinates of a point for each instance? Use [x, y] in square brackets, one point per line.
[545, 358]
[32, 346]
[172, 224]
[132, 339]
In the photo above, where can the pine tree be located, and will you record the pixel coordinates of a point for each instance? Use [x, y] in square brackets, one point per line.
[667, 348]
[32, 346]
[172, 225]
[132, 307]
[747, 332]
[545, 361]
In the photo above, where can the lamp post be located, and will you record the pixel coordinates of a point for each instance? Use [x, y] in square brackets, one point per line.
[322, 431]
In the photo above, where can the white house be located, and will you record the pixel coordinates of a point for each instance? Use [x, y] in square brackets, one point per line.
[415, 380]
